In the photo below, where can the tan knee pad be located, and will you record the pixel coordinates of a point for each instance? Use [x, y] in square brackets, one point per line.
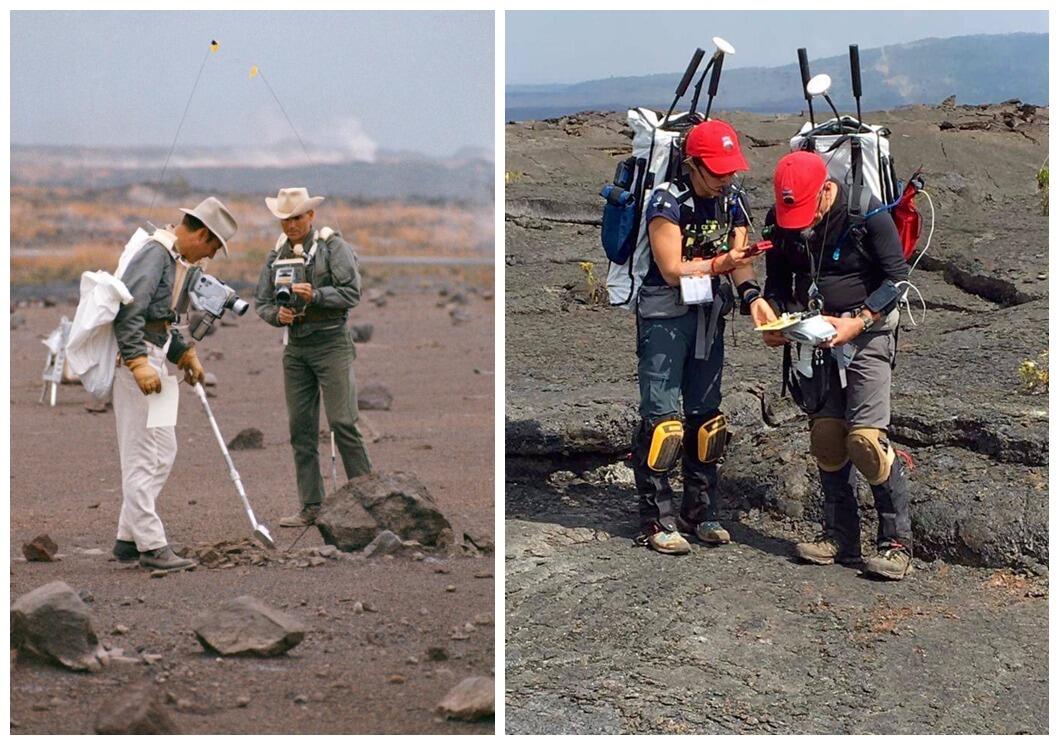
[871, 453]
[827, 443]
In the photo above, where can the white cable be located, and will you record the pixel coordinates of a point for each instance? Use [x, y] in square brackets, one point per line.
[904, 302]
[929, 235]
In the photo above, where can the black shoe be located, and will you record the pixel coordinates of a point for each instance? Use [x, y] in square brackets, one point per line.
[125, 551]
[164, 558]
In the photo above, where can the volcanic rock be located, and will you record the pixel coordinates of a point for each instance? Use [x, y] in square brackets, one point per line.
[138, 710]
[247, 627]
[374, 397]
[250, 438]
[344, 523]
[396, 501]
[52, 622]
[41, 548]
[386, 542]
[472, 699]
[361, 332]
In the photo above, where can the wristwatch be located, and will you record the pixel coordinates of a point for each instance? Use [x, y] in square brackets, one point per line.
[868, 321]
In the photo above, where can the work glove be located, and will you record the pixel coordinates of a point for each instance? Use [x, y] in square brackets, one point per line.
[189, 363]
[146, 376]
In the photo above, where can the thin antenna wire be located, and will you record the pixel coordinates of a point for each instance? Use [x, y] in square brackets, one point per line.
[312, 164]
[180, 126]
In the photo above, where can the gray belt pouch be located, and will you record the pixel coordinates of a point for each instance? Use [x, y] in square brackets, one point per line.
[660, 301]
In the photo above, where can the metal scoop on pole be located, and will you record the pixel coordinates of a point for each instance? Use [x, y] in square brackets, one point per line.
[260, 530]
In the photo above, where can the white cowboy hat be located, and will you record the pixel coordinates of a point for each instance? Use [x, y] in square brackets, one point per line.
[291, 202]
[216, 217]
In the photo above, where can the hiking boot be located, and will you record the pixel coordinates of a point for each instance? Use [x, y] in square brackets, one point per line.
[827, 548]
[711, 532]
[164, 558]
[302, 519]
[125, 551]
[668, 542]
[893, 561]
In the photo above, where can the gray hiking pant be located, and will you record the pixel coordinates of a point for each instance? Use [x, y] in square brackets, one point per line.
[322, 362]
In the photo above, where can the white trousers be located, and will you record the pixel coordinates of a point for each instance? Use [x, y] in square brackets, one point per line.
[146, 455]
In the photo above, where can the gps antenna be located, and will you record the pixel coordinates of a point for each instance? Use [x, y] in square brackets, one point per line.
[854, 74]
[803, 63]
[715, 78]
[682, 87]
[722, 48]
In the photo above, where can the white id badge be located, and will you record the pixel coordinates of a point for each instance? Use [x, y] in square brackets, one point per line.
[696, 290]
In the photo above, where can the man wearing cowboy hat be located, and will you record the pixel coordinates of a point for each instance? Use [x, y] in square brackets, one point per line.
[155, 277]
[318, 354]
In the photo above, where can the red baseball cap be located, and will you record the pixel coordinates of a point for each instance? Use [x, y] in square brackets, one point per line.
[797, 183]
[716, 143]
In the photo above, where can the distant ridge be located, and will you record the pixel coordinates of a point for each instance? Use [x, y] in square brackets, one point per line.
[976, 69]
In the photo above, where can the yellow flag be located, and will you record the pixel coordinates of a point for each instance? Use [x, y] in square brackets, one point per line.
[253, 72]
[214, 45]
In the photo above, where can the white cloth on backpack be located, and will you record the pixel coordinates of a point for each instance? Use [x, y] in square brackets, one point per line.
[92, 349]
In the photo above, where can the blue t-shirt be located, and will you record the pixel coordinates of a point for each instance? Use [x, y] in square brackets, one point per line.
[701, 219]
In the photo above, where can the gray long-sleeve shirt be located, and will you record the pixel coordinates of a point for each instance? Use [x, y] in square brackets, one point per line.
[149, 278]
[335, 276]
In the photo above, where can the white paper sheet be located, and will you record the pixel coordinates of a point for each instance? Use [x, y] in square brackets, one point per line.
[162, 407]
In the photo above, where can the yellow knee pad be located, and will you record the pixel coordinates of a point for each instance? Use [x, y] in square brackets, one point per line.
[711, 439]
[666, 445]
[871, 453]
[827, 443]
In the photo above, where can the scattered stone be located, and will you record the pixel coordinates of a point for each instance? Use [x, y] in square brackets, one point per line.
[328, 552]
[374, 397]
[250, 438]
[459, 315]
[41, 548]
[242, 701]
[361, 332]
[483, 575]
[209, 380]
[301, 698]
[358, 607]
[450, 588]
[386, 542]
[17, 321]
[396, 679]
[437, 654]
[472, 699]
[52, 622]
[121, 629]
[152, 659]
[483, 619]
[248, 627]
[137, 710]
[86, 596]
[158, 573]
[316, 561]
[481, 541]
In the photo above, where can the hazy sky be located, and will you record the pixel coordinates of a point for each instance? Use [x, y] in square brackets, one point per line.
[399, 80]
[574, 46]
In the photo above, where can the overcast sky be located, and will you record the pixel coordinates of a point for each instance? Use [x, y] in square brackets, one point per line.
[399, 81]
[574, 46]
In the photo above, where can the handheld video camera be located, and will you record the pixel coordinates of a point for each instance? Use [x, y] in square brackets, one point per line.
[212, 297]
[286, 274]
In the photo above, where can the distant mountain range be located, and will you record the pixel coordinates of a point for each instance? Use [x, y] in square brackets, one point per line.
[467, 176]
[976, 69]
